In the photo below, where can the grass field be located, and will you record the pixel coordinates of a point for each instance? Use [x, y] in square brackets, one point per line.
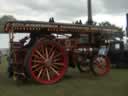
[73, 84]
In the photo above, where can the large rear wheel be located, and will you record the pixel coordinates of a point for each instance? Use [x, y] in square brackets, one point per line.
[46, 62]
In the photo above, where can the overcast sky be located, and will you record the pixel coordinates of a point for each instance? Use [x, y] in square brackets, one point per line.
[113, 11]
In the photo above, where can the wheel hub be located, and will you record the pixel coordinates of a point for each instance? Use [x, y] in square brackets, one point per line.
[48, 62]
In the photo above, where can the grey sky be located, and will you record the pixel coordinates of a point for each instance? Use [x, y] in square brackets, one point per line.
[116, 6]
[61, 9]
[64, 10]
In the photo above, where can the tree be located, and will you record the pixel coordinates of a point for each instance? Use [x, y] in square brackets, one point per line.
[7, 18]
[108, 24]
[51, 20]
[4, 19]
[119, 34]
[78, 21]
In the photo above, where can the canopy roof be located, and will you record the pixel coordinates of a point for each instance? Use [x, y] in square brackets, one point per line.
[35, 26]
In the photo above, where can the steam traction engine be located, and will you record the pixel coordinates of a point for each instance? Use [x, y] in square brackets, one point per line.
[53, 47]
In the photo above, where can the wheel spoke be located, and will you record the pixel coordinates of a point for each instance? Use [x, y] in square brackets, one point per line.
[57, 55]
[41, 70]
[36, 56]
[46, 52]
[48, 75]
[43, 74]
[56, 72]
[52, 54]
[37, 69]
[60, 64]
[40, 54]
[37, 61]
[51, 50]
[55, 66]
[55, 60]
[43, 51]
[36, 65]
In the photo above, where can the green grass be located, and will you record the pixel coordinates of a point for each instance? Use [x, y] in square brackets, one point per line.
[73, 84]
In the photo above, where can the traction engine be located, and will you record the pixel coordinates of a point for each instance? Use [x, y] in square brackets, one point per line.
[53, 47]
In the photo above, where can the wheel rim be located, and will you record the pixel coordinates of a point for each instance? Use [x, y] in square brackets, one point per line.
[101, 65]
[47, 63]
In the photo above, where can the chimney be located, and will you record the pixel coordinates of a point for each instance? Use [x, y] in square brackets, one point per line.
[90, 21]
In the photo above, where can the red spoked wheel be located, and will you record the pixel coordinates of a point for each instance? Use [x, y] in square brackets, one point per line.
[101, 65]
[47, 62]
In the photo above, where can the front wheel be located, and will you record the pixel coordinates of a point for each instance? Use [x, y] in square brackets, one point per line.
[100, 65]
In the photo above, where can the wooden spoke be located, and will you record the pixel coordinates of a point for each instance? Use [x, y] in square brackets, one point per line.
[43, 51]
[43, 74]
[40, 54]
[37, 61]
[48, 75]
[37, 69]
[53, 65]
[55, 60]
[46, 52]
[36, 56]
[40, 73]
[56, 72]
[50, 51]
[60, 64]
[52, 54]
[36, 65]
[57, 55]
